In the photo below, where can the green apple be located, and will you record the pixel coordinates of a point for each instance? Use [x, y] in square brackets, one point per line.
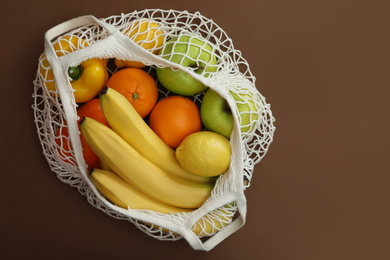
[189, 51]
[217, 116]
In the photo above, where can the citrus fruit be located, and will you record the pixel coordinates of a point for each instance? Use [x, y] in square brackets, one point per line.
[173, 118]
[147, 34]
[204, 153]
[137, 86]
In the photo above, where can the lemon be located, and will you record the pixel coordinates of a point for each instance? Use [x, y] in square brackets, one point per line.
[147, 34]
[204, 153]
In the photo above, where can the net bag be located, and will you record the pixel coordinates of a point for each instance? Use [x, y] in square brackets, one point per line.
[87, 37]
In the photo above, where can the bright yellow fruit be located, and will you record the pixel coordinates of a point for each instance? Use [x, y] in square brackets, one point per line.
[122, 194]
[204, 153]
[147, 34]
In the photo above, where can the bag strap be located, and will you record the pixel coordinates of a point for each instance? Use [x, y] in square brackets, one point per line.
[238, 196]
[228, 230]
[220, 236]
[59, 67]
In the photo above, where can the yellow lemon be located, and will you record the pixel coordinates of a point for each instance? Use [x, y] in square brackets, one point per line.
[147, 34]
[204, 153]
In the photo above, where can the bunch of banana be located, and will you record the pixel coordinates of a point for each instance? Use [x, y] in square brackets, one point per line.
[140, 170]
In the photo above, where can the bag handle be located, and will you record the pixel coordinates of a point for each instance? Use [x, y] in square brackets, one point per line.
[240, 199]
[221, 235]
[59, 67]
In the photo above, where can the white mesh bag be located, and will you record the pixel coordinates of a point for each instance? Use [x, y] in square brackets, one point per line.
[224, 211]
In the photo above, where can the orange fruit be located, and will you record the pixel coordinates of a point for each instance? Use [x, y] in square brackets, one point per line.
[174, 118]
[138, 87]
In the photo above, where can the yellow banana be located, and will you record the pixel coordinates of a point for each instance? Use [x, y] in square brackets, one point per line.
[122, 194]
[139, 171]
[128, 124]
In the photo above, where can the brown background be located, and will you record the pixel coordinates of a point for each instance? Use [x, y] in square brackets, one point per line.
[321, 192]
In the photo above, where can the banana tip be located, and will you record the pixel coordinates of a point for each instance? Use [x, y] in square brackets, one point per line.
[103, 91]
[82, 120]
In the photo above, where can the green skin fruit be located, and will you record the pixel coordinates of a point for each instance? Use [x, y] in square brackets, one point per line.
[217, 116]
[189, 52]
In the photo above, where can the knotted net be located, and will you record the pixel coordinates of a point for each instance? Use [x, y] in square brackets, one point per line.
[224, 70]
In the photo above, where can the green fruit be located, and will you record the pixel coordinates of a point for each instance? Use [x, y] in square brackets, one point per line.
[249, 112]
[188, 51]
[217, 116]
